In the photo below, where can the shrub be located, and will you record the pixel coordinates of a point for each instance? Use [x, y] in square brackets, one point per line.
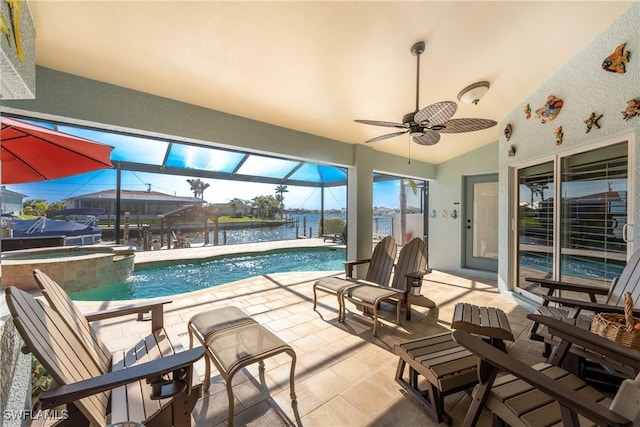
[40, 378]
[333, 225]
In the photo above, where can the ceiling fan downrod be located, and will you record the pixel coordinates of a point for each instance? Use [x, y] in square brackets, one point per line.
[416, 50]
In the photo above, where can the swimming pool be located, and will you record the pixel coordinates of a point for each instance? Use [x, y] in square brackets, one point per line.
[181, 277]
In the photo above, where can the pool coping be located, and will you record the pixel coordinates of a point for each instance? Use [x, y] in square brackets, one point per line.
[205, 252]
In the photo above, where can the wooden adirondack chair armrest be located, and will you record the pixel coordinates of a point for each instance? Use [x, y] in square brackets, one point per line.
[418, 274]
[180, 364]
[566, 286]
[348, 265]
[567, 397]
[587, 339]
[587, 305]
[156, 308]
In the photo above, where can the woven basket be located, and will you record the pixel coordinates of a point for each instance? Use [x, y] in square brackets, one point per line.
[619, 327]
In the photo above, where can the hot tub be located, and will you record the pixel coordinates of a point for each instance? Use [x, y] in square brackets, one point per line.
[74, 268]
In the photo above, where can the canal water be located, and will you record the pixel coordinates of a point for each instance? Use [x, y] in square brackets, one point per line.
[307, 227]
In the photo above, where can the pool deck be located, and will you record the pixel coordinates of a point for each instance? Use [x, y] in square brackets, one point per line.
[203, 252]
[344, 376]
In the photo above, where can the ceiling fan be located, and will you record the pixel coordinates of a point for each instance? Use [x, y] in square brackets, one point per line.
[426, 125]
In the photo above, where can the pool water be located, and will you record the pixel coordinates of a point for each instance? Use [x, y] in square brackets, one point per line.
[184, 277]
[574, 266]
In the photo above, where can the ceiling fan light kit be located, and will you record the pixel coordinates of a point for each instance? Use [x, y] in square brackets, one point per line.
[425, 125]
[472, 94]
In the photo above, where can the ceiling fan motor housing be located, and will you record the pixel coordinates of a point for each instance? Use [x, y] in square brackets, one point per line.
[416, 130]
[408, 119]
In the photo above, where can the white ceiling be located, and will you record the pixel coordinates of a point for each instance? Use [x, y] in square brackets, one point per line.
[316, 66]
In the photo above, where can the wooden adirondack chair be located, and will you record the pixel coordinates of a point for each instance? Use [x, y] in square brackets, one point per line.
[133, 385]
[380, 269]
[545, 394]
[570, 309]
[410, 269]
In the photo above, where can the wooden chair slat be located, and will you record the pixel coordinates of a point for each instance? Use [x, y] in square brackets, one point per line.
[543, 416]
[119, 411]
[437, 363]
[429, 357]
[485, 321]
[530, 400]
[628, 280]
[458, 311]
[433, 348]
[466, 313]
[509, 386]
[421, 342]
[152, 353]
[454, 366]
[381, 264]
[135, 401]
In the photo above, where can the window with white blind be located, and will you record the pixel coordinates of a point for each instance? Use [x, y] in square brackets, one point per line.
[572, 215]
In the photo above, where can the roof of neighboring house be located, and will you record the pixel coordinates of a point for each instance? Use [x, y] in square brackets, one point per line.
[239, 205]
[141, 196]
[6, 191]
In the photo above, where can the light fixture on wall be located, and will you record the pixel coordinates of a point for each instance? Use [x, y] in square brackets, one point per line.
[472, 94]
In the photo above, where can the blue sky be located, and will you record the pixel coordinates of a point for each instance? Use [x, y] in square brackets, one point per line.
[385, 193]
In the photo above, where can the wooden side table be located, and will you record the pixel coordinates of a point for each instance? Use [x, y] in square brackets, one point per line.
[489, 322]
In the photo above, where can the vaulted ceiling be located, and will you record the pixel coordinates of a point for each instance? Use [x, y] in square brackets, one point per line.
[316, 66]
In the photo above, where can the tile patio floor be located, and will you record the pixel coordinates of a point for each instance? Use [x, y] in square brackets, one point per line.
[344, 376]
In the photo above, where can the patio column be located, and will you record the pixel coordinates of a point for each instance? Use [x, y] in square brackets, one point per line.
[360, 205]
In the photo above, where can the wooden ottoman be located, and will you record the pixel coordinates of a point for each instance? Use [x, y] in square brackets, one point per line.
[447, 366]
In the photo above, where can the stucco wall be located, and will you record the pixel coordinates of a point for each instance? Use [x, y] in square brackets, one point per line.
[16, 371]
[445, 194]
[585, 88]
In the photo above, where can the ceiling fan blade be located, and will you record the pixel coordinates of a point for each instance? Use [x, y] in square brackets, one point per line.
[436, 114]
[387, 136]
[428, 138]
[466, 125]
[379, 123]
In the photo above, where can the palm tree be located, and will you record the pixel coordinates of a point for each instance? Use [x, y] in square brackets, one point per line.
[198, 186]
[280, 190]
[413, 185]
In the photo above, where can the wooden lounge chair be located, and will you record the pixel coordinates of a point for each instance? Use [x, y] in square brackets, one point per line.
[151, 382]
[409, 271]
[570, 309]
[544, 394]
[380, 268]
[336, 237]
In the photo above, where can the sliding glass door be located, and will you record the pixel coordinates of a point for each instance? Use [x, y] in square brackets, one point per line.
[572, 217]
[535, 222]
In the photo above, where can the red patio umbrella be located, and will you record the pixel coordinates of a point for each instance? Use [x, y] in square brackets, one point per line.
[32, 153]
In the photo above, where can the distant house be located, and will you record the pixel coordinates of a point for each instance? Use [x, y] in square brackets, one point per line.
[233, 209]
[10, 201]
[134, 202]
